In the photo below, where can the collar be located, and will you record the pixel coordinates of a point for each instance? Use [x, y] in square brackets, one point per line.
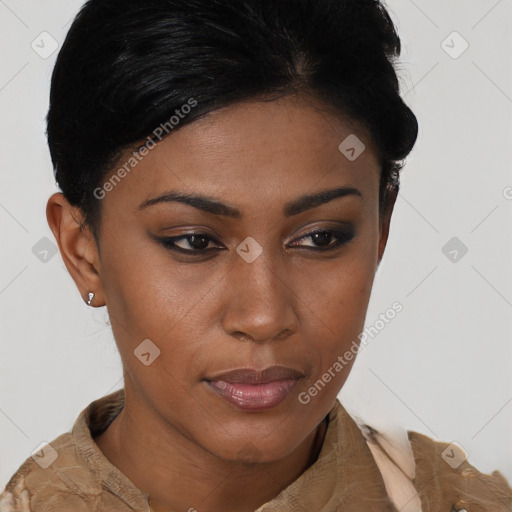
[344, 474]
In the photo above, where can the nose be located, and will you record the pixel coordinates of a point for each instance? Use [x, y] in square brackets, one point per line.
[260, 302]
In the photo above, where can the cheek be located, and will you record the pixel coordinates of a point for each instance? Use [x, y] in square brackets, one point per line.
[141, 281]
[338, 291]
[336, 298]
[151, 296]
[142, 289]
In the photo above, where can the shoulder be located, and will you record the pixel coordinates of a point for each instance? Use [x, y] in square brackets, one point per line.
[71, 474]
[53, 479]
[446, 478]
[421, 473]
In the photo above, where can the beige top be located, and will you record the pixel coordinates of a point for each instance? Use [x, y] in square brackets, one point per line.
[358, 469]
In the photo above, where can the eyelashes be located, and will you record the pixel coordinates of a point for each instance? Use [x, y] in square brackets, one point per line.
[198, 242]
[321, 240]
[318, 235]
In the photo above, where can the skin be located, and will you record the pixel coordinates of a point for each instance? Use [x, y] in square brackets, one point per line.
[175, 438]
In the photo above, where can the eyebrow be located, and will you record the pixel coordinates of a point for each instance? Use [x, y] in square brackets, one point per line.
[211, 205]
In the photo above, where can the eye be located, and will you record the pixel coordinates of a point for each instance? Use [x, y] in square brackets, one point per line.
[201, 243]
[190, 243]
[325, 239]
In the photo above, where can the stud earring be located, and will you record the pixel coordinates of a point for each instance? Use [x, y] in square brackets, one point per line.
[91, 297]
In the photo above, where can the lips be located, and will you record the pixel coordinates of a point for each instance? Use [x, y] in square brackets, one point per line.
[254, 390]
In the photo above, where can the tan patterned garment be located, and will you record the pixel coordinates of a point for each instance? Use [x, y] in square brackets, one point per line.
[357, 470]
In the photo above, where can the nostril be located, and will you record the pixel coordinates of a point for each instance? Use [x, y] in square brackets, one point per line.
[284, 334]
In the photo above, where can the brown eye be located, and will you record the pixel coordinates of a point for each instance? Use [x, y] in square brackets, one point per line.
[198, 242]
[325, 239]
[189, 243]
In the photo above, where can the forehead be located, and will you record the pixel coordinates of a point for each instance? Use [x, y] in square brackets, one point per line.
[255, 153]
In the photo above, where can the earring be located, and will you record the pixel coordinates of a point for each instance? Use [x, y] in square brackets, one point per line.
[91, 297]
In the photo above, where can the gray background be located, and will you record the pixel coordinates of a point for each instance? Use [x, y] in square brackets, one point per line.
[441, 367]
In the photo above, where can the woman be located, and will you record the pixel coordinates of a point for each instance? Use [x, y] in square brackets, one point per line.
[228, 174]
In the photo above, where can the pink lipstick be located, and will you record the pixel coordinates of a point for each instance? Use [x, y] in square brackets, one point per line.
[254, 390]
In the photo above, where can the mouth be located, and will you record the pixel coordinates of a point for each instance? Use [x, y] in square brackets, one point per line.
[255, 390]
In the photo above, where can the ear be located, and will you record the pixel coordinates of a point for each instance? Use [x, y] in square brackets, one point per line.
[385, 219]
[77, 246]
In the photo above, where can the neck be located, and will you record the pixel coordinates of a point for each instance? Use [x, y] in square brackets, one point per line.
[180, 475]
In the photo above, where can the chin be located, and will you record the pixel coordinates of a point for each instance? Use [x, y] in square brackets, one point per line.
[248, 447]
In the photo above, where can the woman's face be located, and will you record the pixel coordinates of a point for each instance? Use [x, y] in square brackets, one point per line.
[254, 287]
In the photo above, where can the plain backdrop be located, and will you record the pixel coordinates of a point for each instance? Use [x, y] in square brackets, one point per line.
[442, 366]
